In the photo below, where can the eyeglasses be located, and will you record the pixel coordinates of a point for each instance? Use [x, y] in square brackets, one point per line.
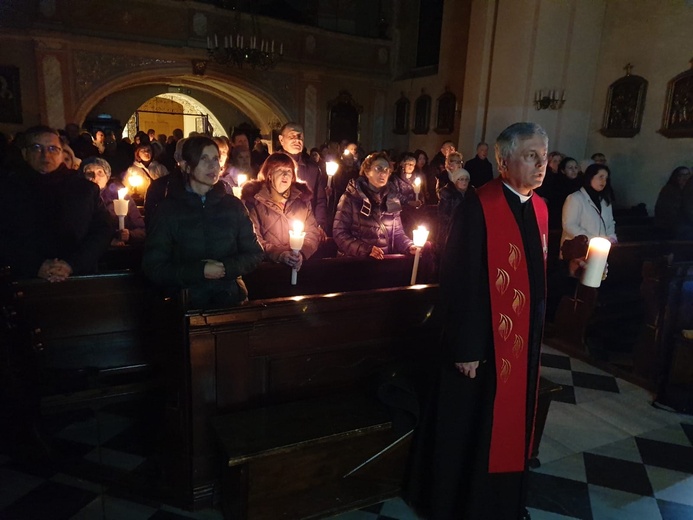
[39, 149]
[382, 169]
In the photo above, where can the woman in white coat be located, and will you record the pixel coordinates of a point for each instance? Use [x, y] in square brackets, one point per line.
[589, 211]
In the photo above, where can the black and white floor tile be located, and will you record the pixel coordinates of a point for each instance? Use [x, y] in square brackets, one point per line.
[606, 453]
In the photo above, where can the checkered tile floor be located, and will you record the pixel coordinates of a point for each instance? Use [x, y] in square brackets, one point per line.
[606, 453]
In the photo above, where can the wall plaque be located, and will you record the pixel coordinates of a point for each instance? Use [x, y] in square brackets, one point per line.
[624, 106]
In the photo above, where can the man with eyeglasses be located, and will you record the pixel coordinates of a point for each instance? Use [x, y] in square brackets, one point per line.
[53, 224]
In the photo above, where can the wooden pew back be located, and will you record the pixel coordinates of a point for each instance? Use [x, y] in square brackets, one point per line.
[279, 350]
[87, 327]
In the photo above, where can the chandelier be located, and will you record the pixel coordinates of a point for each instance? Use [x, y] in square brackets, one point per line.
[552, 99]
[239, 51]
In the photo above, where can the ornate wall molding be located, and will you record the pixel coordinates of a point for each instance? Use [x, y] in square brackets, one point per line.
[93, 69]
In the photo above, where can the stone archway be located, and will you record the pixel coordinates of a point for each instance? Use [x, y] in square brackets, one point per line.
[259, 105]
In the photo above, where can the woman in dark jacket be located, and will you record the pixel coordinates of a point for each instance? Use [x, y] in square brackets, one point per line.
[201, 239]
[368, 220]
[274, 201]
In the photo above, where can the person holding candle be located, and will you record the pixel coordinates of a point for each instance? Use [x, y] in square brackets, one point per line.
[368, 221]
[471, 448]
[98, 171]
[201, 238]
[589, 211]
[142, 172]
[275, 201]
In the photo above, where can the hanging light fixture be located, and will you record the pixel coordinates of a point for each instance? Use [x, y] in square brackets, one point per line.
[238, 50]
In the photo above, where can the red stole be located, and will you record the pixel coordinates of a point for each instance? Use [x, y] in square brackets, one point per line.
[510, 311]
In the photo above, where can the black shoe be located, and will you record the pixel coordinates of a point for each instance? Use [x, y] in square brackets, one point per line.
[525, 515]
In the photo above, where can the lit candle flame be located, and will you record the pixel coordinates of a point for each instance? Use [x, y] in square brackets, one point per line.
[298, 227]
[417, 181]
[121, 193]
[331, 167]
[242, 179]
[136, 181]
[420, 236]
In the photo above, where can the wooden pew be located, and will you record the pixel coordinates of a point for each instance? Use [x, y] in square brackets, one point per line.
[91, 337]
[339, 274]
[283, 350]
[611, 315]
[663, 357]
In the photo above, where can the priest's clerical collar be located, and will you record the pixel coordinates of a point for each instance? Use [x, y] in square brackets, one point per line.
[523, 198]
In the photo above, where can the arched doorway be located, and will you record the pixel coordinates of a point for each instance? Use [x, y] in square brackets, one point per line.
[166, 112]
[261, 108]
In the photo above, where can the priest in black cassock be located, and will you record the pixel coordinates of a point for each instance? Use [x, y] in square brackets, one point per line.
[470, 452]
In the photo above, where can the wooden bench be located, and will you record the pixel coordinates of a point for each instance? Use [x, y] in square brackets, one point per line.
[88, 338]
[663, 357]
[339, 274]
[283, 350]
[611, 315]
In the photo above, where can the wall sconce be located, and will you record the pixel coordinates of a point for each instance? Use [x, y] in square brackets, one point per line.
[552, 99]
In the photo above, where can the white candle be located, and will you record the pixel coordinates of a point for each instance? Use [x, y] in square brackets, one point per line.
[296, 237]
[236, 191]
[209, 43]
[281, 49]
[216, 41]
[420, 237]
[597, 254]
[120, 207]
[242, 179]
[272, 45]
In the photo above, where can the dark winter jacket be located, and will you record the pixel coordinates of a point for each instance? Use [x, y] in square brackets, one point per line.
[365, 219]
[310, 173]
[54, 215]
[450, 199]
[273, 222]
[186, 231]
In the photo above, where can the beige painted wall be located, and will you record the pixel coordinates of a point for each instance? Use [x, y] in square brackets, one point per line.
[655, 36]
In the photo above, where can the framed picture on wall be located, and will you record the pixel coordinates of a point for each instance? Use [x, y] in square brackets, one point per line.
[678, 110]
[624, 106]
[10, 96]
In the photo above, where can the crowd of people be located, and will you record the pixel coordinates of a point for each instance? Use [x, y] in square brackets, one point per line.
[206, 211]
[368, 206]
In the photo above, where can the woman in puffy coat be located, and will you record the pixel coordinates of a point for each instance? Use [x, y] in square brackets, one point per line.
[368, 222]
[274, 201]
[201, 238]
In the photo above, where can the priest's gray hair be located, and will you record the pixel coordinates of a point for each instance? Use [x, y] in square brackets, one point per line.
[509, 139]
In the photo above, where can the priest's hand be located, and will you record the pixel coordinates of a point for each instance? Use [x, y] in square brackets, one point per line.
[468, 369]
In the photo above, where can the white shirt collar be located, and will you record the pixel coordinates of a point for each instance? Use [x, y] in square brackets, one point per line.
[523, 198]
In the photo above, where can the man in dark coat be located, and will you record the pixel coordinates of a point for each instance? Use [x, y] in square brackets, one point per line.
[291, 140]
[479, 167]
[53, 223]
[471, 450]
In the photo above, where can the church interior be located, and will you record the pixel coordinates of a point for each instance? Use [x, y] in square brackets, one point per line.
[142, 408]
